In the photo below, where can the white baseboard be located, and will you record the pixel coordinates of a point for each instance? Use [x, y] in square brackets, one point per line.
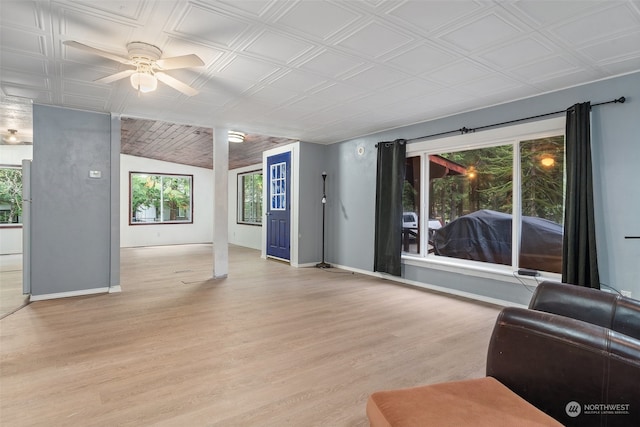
[440, 289]
[305, 265]
[69, 294]
[464, 294]
[115, 289]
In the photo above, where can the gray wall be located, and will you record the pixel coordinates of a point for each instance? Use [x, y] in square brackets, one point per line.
[71, 213]
[616, 156]
[350, 209]
[312, 160]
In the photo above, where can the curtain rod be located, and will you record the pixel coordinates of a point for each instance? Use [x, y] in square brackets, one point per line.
[465, 130]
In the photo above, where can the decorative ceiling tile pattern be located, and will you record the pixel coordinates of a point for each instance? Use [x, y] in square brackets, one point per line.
[318, 71]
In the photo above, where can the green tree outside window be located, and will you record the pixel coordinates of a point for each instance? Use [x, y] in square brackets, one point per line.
[10, 195]
[159, 198]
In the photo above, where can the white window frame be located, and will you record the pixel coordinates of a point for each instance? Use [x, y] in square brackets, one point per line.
[488, 138]
[162, 221]
[240, 198]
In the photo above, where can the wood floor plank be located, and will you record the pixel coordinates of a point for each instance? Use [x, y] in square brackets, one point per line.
[270, 345]
[11, 297]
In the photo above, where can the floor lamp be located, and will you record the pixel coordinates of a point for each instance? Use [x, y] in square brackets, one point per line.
[324, 204]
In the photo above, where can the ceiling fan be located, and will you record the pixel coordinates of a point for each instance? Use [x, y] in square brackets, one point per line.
[149, 66]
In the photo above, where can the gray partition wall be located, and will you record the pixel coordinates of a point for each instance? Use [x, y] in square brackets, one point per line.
[71, 227]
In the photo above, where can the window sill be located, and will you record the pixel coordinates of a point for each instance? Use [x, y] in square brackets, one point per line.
[503, 273]
[252, 224]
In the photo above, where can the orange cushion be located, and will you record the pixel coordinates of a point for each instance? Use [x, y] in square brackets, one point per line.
[477, 402]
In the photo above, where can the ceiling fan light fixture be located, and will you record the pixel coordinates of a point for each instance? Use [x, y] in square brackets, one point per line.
[144, 82]
[12, 135]
[236, 137]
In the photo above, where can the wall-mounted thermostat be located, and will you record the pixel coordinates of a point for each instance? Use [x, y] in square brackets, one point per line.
[360, 150]
[95, 174]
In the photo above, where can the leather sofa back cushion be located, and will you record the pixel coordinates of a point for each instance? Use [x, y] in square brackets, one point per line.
[606, 309]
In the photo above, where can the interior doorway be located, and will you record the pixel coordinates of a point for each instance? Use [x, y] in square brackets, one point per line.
[12, 216]
[16, 145]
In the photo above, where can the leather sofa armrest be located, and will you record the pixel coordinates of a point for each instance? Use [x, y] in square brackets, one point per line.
[552, 361]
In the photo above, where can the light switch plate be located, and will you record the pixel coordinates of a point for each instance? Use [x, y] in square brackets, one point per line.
[95, 174]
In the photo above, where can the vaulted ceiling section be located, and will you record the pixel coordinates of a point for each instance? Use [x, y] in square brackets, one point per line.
[189, 145]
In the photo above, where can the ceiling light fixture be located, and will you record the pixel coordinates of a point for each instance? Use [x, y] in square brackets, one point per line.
[144, 81]
[12, 136]
[236, 137]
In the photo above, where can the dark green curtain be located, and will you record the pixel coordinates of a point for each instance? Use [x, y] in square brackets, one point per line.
[389, 181]
[579, 258]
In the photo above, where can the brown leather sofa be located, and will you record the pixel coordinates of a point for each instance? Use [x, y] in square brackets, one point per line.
[552, 360]
[543, 369]
[613, 311]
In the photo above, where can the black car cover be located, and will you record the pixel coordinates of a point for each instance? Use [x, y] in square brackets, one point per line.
[485, 235]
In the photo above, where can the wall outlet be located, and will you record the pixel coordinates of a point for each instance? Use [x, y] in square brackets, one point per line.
[626, 293]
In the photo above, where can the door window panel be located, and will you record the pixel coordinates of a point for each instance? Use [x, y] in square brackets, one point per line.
[278, 197]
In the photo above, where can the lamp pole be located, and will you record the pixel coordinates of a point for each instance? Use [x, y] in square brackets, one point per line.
[324, 204]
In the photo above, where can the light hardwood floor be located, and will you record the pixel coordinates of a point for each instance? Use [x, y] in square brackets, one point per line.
[11, 297]
[270, 345]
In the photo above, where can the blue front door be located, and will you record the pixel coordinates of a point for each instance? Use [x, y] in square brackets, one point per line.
[278, 205]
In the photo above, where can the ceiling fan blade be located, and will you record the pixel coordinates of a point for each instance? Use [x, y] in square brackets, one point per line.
[116, 76]
[96, 51]
[184, 61]
[176, 84]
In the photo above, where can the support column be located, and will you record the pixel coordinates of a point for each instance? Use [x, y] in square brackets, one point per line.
[220, 203]
[114, 176]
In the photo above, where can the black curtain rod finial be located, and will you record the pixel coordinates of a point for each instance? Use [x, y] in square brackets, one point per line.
[621, 100]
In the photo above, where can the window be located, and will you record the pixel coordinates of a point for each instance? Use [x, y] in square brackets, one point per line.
[278, 191]
[250, 198]
[164, 199]
[495, 201]
[10, 195]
